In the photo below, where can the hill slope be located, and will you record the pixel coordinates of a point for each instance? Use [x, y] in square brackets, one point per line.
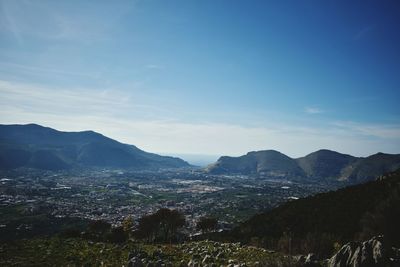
[343, 215]
[326, 163]
[322, 164]
[40, 147]
[267, 162]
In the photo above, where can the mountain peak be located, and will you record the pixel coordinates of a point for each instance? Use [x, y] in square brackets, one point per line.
[35, 146]
[321, 164]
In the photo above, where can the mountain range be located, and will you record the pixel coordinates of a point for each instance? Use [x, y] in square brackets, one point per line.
[39, 147]
[322, 164]
[35, 146]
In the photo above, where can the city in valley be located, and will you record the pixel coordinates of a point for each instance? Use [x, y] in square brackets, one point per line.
[112, 195]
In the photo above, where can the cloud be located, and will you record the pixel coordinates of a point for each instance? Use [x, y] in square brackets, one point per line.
[313, 110]
[154, 66]
[129, 119]
[363, 32]
[387, 131]
[55, 21]
[43, 70]
[8, 22]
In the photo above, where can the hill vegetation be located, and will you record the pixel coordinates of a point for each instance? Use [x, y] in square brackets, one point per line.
[321, 222]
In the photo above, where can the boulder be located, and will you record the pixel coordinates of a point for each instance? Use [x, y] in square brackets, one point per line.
[371, 253]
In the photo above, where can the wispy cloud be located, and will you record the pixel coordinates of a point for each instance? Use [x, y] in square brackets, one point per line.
[44, 70]
[128, 119]
[154, 66]
[47, 20]
[363, 32]
[8, 22]
[386, 131]
[313, 110]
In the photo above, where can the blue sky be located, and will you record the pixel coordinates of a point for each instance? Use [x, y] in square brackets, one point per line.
[207, 77]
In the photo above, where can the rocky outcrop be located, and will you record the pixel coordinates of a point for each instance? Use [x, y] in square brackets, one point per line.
[373, 252]
[206, 254]
[306, 261]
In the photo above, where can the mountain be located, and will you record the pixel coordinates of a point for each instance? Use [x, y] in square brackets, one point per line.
[322, 164]
[35, 146]
[263, 163]
[354, 212]
[373, 166]
[326, 163]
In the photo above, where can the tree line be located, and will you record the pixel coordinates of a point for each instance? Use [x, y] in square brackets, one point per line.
[165, 225]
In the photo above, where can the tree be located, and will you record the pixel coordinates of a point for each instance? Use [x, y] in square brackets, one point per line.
[127, 224]
[169, 222]
[99, 227]
[162, 225]
[117, 235]
[147, 228]
[207, 224]
[97, 230]
[384, 219]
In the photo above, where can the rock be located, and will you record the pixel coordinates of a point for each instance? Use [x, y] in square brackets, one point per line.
[206, 259]
[220, 255]
[301, 259]
[365, 254]
[310, 258]
[192, 263]
[135, 262]
[159, 263]
[131, 255]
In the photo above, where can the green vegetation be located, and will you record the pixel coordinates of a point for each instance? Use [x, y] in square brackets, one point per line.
[207, 224]
[321, 222]
[24, 221]
[161, 226]
[58, 251]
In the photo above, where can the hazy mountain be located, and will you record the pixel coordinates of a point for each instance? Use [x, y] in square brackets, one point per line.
[326, 164]
[373, 166]
[322, 164]
[40, 147]
[267, 163]
[198, 160]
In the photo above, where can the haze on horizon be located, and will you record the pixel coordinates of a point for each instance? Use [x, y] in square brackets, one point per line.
[207, 77]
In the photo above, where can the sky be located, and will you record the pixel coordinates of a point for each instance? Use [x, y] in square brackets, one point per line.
[207, 77]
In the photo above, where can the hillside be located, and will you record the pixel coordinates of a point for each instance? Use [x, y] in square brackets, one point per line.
[319, 165]
[35, 146]
[268, 162]
[339, 216]
[326, 163]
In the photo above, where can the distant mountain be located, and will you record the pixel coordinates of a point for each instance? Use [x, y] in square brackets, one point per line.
[373, 166]
[263, 163]
[35, 146]
[327, 164]
[322, 164]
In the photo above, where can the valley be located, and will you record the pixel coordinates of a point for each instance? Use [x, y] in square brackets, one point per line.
[112, 195]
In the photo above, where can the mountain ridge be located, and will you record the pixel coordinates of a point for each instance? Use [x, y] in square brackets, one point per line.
[321, 164]
[36, 146]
